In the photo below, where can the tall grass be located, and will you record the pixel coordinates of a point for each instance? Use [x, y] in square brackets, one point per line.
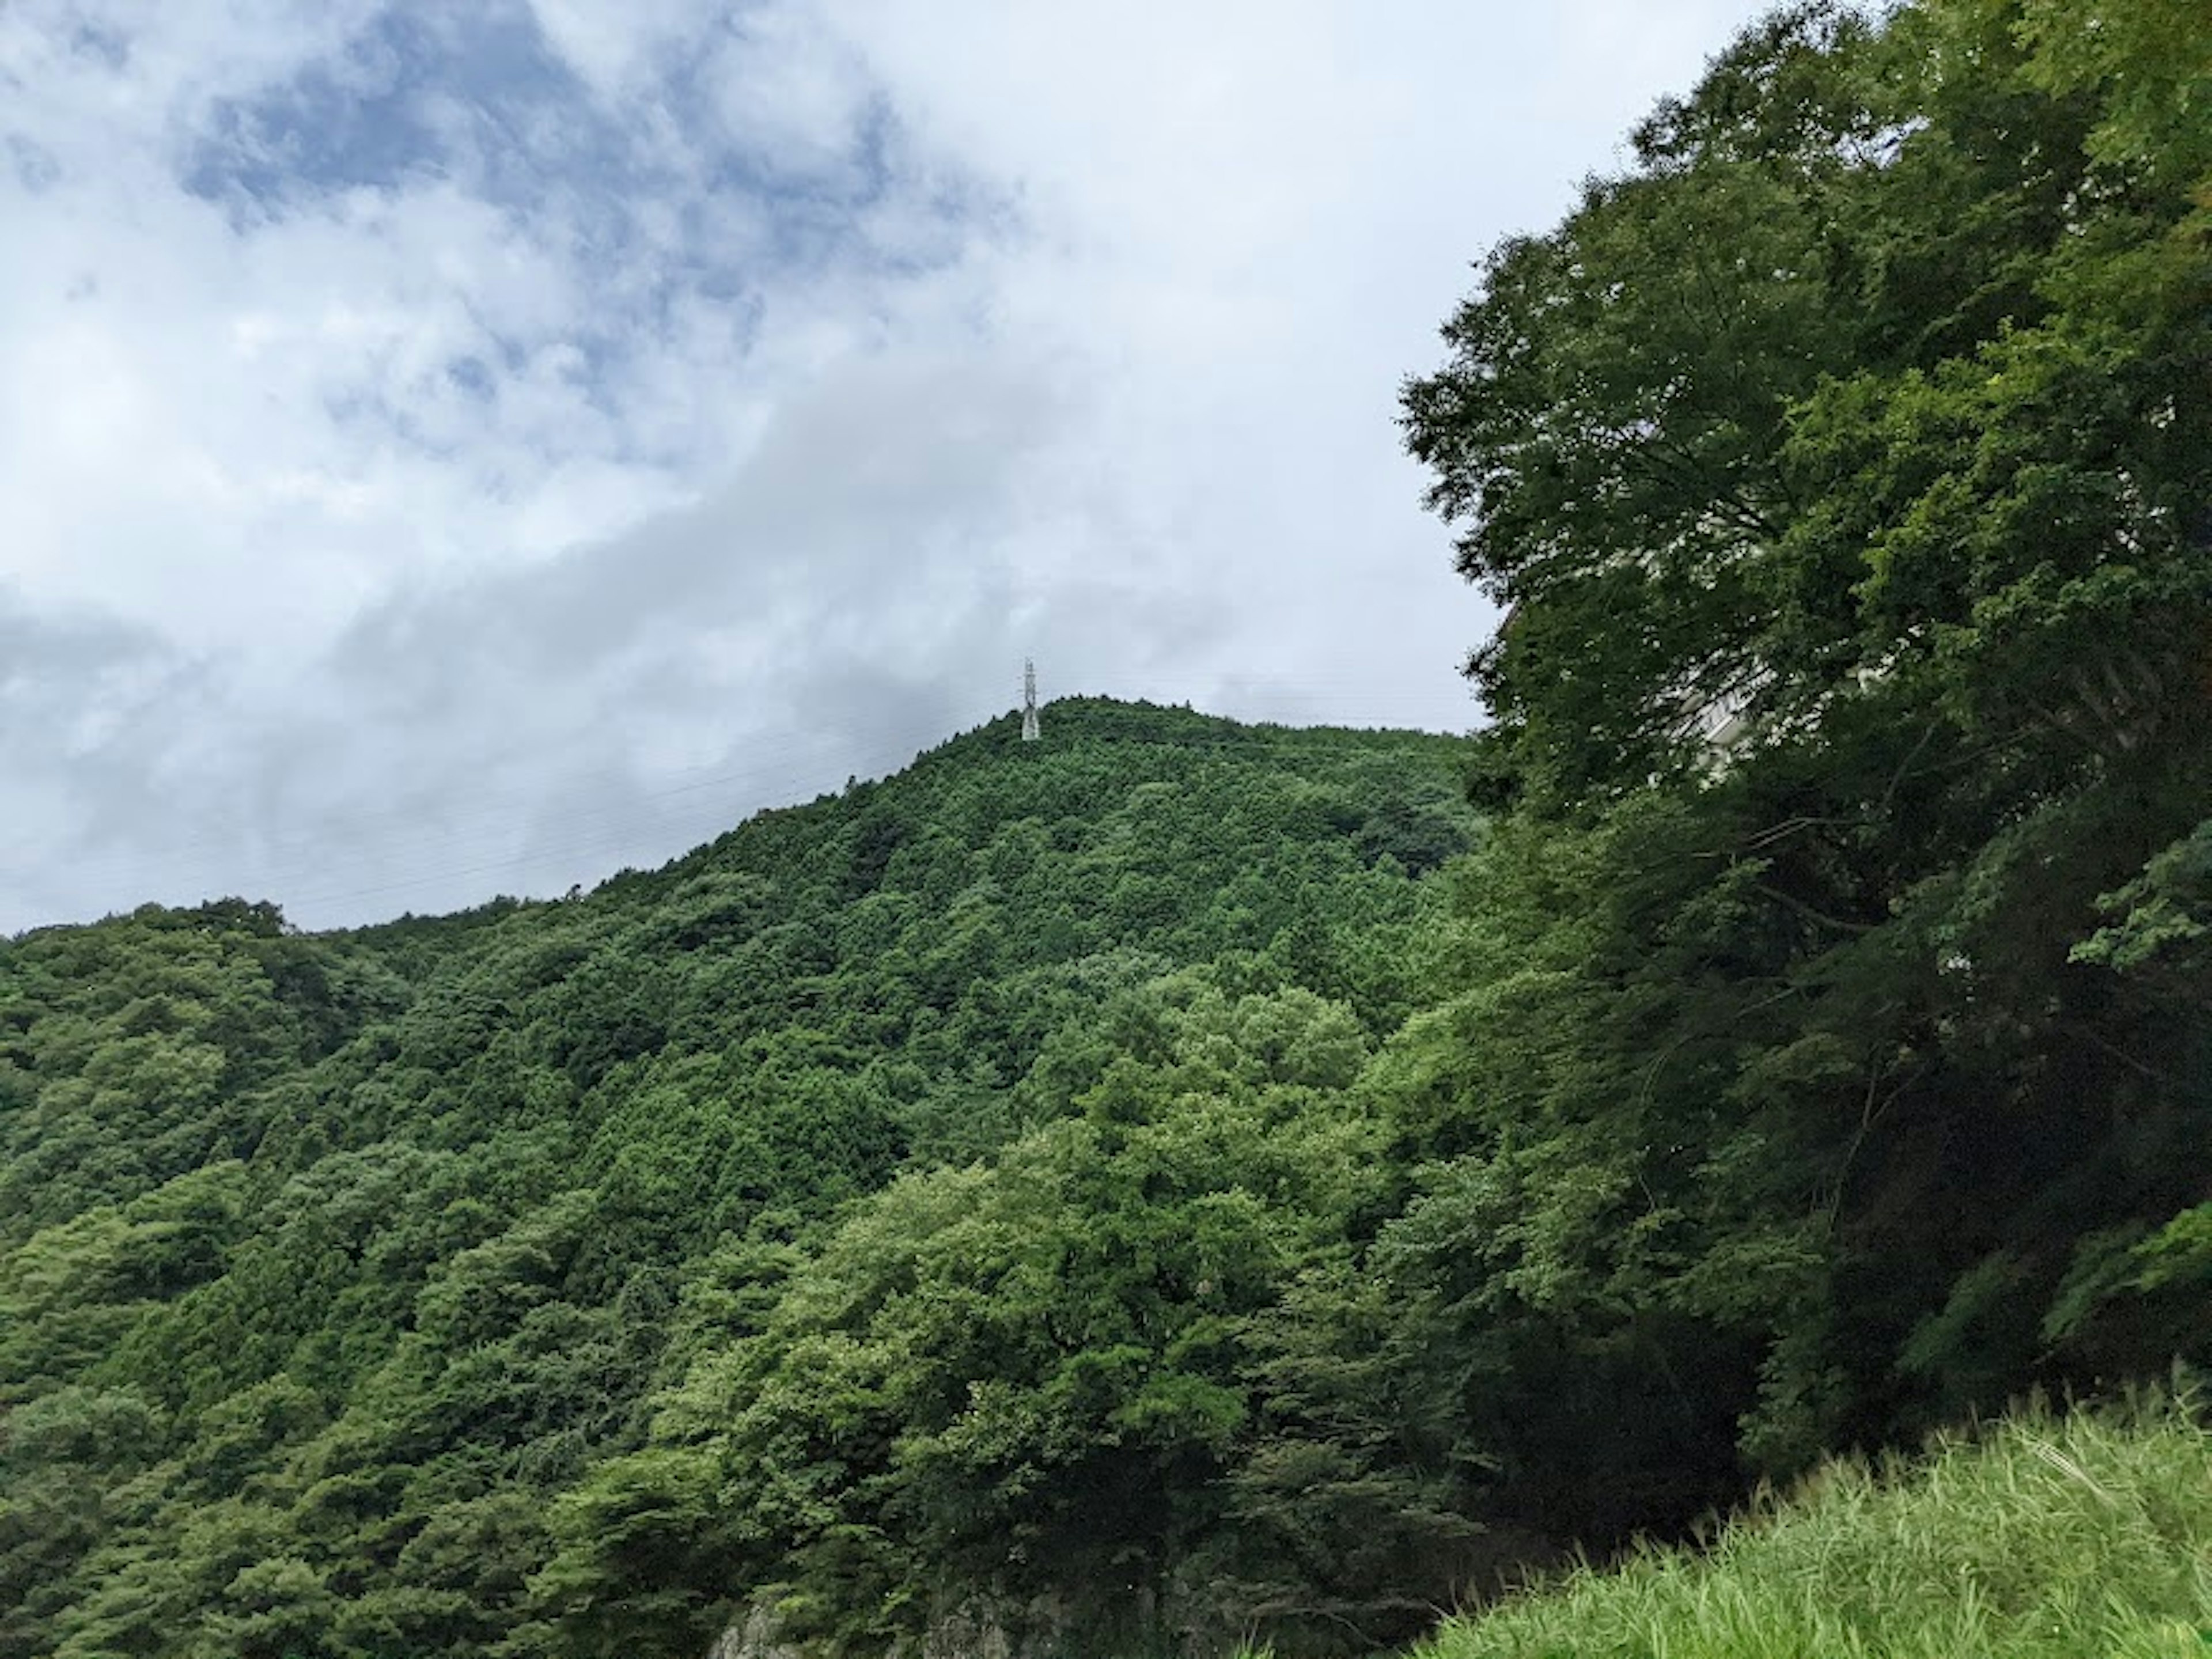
[2082, 1535]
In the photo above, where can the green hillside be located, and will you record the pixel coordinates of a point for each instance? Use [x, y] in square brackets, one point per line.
[329, 1263]
[1181, 1185]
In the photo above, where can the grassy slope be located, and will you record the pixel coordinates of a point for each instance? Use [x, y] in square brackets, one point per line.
[2052, 1538]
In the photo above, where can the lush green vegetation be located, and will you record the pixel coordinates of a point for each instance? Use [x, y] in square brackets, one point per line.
[548, 1277]
[2052, 1539]
[1825, 1087]
[1183, 1183]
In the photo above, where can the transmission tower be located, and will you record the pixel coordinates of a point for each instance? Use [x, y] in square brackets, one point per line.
[1029, 702]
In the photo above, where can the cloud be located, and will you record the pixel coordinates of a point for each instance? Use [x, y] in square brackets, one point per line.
[456, 449]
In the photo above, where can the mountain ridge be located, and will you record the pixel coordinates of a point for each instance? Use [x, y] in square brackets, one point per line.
[438, 1209]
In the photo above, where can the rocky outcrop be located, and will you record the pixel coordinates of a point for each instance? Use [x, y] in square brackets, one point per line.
[974, 1630]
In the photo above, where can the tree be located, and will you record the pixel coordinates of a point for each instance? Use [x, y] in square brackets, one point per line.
[1868, 404]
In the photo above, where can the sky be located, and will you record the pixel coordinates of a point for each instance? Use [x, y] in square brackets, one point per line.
[457, 449]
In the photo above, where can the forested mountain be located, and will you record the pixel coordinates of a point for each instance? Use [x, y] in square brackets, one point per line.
[1178, 1183]
[880, 1188]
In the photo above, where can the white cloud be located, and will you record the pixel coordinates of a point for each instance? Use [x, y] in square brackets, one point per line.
[444, 456]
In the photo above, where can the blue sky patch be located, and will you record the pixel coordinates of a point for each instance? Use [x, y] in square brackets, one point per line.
[33, 163]
[393, 105]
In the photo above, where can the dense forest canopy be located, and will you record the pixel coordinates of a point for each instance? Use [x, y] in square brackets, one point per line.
[1870, 406]
[1178, 1183]
[547, 1278]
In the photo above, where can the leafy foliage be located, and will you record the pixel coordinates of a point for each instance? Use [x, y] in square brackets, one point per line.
[1846, 466]
[1180, 1184]
[890, 1179]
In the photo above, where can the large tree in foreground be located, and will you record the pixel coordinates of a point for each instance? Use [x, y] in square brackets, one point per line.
[1846, 467]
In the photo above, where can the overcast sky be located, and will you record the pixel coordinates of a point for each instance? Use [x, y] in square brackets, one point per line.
[460, 448]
